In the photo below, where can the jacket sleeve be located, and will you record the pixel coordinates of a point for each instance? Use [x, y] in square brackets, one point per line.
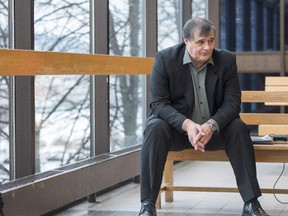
[160, 95]
[229, 107]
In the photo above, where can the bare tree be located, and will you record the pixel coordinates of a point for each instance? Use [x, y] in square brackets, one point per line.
[61, 37]
[125, 88]
[63, 105]
[4, 128]
[4, 99]
[168, 23]
[4, 24]
[62, 102]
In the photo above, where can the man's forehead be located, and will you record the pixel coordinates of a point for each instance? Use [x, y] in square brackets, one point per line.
[198, 35]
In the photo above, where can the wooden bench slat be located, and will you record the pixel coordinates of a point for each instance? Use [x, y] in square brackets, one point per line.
[191, 154]
[262, 153]
[265, 118]
[275, 147]
[276, 104]
[220, 189]
[264, 96]
[276, 84]
[205, 189]
[276, 88]
[274, 81]
[272, 129]
[59, 63]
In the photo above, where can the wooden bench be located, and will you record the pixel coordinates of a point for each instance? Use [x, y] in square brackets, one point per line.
[275, 93]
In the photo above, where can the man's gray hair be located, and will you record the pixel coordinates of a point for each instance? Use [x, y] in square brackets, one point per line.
[204, 25]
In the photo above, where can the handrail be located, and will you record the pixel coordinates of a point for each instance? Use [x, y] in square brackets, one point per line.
[31, 63]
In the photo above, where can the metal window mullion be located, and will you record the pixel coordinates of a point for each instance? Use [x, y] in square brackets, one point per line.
[213, 8]
[11, 94]
[150, 37]
[101, 83]
[22, 112]
[186, 12]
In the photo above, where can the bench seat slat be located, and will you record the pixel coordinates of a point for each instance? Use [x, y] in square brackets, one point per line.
[276, 88]
[265, 118]
[272, 129]
[274, 81]
[219, 189]
[261, 152]
[276, 84]
[264, 96]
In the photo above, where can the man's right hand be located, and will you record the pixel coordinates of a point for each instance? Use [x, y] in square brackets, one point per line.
[195, 132]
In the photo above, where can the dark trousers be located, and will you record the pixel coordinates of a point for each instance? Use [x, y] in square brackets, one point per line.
[160, 138]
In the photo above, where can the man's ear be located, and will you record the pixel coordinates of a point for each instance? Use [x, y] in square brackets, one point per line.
[186, 41]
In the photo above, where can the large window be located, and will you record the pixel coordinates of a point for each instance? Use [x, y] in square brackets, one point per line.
[62, 103]
[4, 98]
[127, 98]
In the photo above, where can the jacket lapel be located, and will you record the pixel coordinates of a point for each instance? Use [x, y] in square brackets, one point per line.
[186, 83]
[211, 80]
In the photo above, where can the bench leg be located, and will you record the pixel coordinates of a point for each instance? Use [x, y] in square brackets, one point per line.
[158, 201]
[168, 179]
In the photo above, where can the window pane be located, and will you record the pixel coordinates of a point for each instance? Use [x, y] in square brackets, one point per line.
[62, 103]
[199, 8]
[127, 101]
[4, 98]
[250, 25]
[168, 23]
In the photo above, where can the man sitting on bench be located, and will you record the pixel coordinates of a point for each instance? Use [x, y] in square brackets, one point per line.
[195, 103]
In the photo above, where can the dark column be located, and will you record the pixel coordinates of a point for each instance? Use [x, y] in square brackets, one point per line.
[22, 97]
[246, 14]
[230, 25]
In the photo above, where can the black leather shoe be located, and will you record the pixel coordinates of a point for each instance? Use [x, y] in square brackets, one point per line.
[253, 209]
[147, 209]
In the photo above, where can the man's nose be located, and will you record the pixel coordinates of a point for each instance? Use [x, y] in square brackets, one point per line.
[207, 45]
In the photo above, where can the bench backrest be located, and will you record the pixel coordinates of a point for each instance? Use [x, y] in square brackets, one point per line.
[276, 84]
[275, 94]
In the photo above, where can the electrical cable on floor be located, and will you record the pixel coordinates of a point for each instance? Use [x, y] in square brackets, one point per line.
[274, 186]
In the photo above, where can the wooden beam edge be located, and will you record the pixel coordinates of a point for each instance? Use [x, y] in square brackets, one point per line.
[31, 63]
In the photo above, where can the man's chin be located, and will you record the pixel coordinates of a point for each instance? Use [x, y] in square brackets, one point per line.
[203, 60]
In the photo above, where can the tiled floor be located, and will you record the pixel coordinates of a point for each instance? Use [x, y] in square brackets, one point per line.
[124, 201]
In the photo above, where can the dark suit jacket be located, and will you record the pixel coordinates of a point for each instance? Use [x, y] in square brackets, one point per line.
[171, 86]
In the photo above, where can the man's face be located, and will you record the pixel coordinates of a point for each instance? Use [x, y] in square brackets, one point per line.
[200, 48]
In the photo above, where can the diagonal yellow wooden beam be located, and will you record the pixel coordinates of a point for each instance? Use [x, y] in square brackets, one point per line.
[30, 63]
